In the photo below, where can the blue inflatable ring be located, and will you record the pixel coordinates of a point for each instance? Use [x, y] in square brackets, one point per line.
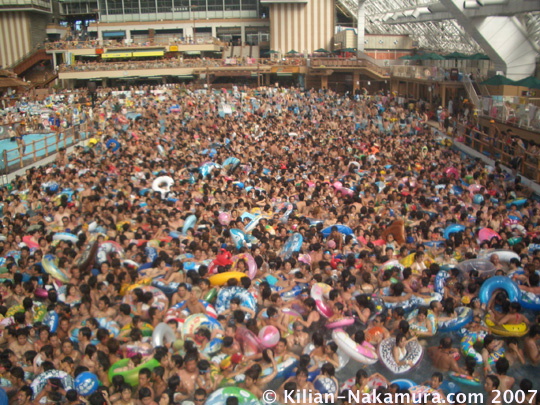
[499, 282]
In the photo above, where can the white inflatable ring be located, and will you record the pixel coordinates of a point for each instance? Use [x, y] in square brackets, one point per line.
[158, 182]
[162, 334]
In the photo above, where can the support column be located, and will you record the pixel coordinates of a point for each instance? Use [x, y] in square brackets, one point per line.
[356, 82]
[360, 26]
[324, 82]
[242, 35]
[214, 31]
[443, 95]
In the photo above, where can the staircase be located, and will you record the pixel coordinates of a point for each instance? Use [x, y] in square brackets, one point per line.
[44, 83]
[473, 95]
[29, 60]
[483, 90]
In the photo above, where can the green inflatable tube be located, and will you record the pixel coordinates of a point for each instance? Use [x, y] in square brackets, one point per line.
[219, 397]
[131, 376]
[210, 296]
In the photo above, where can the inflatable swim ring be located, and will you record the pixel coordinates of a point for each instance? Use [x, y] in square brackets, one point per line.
[162, 185]
[507, 330]
[467, 347]
[414, 353]
[65, 236]
[465, 379]
[108, 248]
[219, 397]
[194, 322]
[464, 316]
[131, 377]
[293, 244]
[50, 264]
[250, 263]
[529, 300]
[325, 385]
[453, 228]
[226, 294]
[492, 284]
[222, 278]
[39, 383]
[421, 330]
[189, 223]
[484, 267]
[341, 323]
[364, 353]
[162, 334]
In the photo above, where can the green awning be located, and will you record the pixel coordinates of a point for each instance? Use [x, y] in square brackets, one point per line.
[185, 76]
[194, 53]
[284, 74]
[531, 82]
[456, 55]
[498, 80]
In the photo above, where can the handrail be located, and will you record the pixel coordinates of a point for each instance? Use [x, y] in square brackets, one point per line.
[175, 63]
[25, 56]
[68, 137]
[499, 150]
[471, 91]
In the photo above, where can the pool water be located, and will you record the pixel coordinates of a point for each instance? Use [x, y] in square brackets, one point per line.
[39, 145]
[423, 371]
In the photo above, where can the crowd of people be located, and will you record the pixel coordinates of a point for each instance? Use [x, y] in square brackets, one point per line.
[303, 240]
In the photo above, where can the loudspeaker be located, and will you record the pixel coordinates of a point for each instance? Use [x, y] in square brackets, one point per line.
[92, 87]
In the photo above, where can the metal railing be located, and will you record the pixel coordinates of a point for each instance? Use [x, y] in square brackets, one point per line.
[52, 143]
[516, 111]
[471, 90]
[500, 150]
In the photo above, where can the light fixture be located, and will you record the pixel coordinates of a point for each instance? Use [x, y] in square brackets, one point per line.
[470, 4]
[408, 13]
[492, 2]
[387, 16]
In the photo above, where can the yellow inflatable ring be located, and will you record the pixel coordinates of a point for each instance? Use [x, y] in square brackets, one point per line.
[508, 330]
[222, 278]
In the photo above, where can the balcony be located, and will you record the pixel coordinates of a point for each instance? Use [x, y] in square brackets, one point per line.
[18, 5]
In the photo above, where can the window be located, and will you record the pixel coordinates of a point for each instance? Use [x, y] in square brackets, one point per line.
[231, 5]
[131, 6]
[215, 5]
[164, 6]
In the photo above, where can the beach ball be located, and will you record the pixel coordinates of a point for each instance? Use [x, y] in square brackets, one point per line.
[224, 218]
[269, 336]
[86, 383]
[478, 199]
[331, 244]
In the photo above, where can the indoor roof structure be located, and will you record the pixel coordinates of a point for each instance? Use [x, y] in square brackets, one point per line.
[506, 30]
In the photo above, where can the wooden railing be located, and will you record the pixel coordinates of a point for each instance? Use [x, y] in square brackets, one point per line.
[51, 145]
[499, 150]
[346, 63]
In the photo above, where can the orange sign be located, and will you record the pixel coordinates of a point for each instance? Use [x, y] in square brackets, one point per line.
[99, 51]
[173, 48]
